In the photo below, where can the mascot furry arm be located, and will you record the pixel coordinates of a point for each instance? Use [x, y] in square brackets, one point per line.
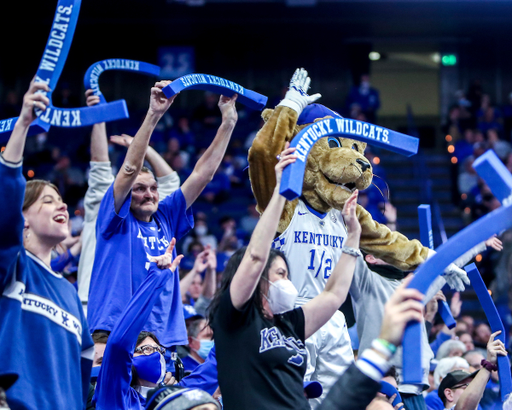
[281, 126]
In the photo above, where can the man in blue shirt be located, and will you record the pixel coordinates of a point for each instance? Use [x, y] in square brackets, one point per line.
[133, 227]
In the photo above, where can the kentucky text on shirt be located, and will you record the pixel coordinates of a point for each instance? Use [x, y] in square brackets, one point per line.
[273, 338]
[318, 239]
[192, 79]
[322, 128]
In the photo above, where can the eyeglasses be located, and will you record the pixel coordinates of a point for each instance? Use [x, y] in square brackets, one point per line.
[460, 386]
[149, 349]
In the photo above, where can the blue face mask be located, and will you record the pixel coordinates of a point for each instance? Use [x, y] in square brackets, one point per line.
[204, 350]
[150, 368]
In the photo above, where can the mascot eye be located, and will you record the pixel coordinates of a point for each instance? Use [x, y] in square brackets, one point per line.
[355, 147]
[334, 142]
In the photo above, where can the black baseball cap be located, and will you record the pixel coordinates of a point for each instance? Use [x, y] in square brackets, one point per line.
[452, 379]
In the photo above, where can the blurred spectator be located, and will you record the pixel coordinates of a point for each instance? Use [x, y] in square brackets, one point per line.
[217, 190]
[502, 148]
[206, 119]
[488, 118]
[451, 348]
[200, 343]
[481, 335]
[470, 322]
[507, 118]
[363, 98]
[464, 146]
[249, 221]
[474, 358]
[183, 133]
[200, 233]
[468, 178]
[465, 337]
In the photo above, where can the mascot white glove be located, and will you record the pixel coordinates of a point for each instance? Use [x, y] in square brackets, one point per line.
[455, 277]
[297, 97]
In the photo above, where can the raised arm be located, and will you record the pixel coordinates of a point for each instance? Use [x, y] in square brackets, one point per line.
[168, 179]
[319, 310]
[209, 162]
[199, 266]
[32, 99]
[251, 267]
[134, 159]
[210, 277]
[99, 143]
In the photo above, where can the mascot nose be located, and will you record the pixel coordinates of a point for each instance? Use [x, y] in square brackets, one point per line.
[364, 165]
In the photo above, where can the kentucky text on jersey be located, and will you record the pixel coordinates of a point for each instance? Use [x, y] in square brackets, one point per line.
[192, 79]
[56, 40]
[346, 126]
[61, 117]
[312, 238]
[273, 338]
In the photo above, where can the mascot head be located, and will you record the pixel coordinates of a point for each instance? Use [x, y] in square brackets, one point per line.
[335, 167]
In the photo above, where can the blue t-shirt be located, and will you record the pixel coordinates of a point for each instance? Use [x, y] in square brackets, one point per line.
[43, 332]
[124, 245]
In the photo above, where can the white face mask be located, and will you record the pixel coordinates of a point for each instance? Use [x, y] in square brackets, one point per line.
[201, 230]
[281, 296]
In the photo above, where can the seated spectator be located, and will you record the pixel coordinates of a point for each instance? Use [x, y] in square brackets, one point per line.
[183, 133]
[467, 339]
[451, 348]
[249, 221]
[134, 360]
[470, 322]
[444, 366]
[481, 335]
[200, 343]
[501, 147]
[464, 147]
[180, 398]
[468, 178]
[474, 359]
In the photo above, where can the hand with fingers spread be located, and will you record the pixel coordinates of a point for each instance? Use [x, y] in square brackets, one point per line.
[286, 158]
[159, 103]
[166, 261]
[402, 307]
[34, 98]
[123, 140]
[297, 97]
[495, 347]
[495, 243]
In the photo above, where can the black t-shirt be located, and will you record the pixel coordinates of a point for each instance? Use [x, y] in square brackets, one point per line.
[261, 362]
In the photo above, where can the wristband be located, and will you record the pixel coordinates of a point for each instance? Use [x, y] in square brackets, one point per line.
[488, 365]
[384, 347]
[351, 251]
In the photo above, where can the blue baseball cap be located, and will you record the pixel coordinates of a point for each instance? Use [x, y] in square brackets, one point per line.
[314, 111]
[190, 312]
[313, 389]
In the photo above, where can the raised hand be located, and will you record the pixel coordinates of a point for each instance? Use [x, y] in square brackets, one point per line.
[495, 243]
[228, 109]
[124, 140]
[165, 261]
[159, 103]
[34, 99]
[285, 159]
[403, 306]
[349, 214]
[91, 99]
[201, 261]
[297, 97]
[495, 348]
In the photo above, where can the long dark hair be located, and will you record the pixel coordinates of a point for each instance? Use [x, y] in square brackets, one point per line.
[229, 273]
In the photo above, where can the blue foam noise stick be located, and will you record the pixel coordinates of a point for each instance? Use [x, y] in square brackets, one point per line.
[217, 85]
[293, 174]
[6, 127]
[427, 239]
[495, 323]
[92, 75]
[389, 390]
[496, 175]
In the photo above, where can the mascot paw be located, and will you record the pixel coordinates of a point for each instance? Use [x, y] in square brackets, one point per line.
[456, 277]
[297, 97]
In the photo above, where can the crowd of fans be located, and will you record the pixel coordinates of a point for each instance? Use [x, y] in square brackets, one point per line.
[156, 320]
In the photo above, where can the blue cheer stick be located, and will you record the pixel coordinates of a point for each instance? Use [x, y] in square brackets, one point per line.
[293, 174]
[427, 239]
[497, 177]
[92, 75]
[495, 323]
[6, 127]
[389, 390]
[217, 85]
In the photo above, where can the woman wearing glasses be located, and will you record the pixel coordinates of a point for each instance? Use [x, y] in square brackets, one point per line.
[134, 362]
